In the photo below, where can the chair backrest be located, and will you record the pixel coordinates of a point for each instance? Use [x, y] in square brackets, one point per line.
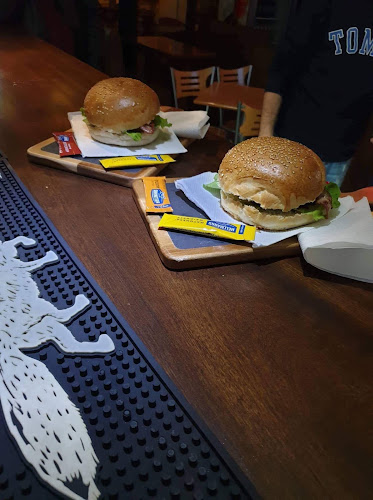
[190, 83]
[251, 122]
[241, 76]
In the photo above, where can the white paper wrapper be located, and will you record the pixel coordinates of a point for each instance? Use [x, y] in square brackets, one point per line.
[344, 247]
[189, 124]
[166, 142]
[193, 189]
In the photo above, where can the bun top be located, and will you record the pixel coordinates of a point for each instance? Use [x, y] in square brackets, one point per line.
[274, 172]
[119, 104]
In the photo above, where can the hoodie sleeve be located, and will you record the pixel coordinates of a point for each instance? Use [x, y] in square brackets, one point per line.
[300, 38]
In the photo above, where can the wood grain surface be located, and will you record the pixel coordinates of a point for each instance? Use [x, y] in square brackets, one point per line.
[228, 95]
[173, 48]
[274, 355]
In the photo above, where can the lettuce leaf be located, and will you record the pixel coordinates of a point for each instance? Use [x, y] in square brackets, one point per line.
[213, 187]
[335, 193]
[318, 214]
[161, 122]
[316, 211]
[136, 136]
[85, 119]
[158, 122]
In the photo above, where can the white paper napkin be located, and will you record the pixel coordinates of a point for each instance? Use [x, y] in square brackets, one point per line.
[193, 189]
[345, 247]
[166, 142]
[189, 124]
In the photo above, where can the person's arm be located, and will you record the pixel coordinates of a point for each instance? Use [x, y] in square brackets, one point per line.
[271, 107]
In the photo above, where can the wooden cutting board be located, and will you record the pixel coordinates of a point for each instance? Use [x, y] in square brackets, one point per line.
[46, 153]
[185, 251]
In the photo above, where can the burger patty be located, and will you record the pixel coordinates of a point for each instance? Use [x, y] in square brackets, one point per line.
[324, 200]
[148, 128]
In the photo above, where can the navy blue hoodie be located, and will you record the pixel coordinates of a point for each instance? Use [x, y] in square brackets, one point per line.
[323, 69]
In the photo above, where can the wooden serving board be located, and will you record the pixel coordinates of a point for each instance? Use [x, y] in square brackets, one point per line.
[46, 153]
[185, 251]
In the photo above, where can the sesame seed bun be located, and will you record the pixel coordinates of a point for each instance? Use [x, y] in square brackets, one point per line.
[265, 178]
[115, 105]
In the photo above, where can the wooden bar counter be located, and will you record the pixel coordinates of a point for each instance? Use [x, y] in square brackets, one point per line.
[273, 355]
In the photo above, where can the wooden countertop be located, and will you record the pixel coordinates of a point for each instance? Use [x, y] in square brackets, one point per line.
[273, 354]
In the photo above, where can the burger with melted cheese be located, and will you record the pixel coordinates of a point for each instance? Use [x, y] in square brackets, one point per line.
[275, 184]
[123, 111]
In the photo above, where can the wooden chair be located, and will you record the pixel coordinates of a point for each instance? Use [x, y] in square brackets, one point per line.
[247, 122]
[190, 83]
[241, 76]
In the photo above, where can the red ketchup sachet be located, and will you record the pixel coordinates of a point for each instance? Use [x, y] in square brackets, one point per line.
[66, 143]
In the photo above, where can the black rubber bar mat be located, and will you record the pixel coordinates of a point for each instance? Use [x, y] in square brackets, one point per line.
[86, 412]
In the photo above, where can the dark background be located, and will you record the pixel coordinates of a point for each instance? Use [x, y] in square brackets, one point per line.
[103, 34]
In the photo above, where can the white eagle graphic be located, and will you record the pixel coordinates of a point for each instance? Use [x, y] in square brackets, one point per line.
[46, 425]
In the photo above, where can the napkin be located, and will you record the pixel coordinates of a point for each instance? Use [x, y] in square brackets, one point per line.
[166, 142]
[189, 124]
[345, 247]
[193, 189]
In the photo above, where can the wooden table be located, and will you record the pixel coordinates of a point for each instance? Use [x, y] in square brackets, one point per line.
[273, 355]
[228, 95]
[174, 49]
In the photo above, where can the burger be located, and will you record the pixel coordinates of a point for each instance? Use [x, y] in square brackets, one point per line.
[123, 111]
[275, 184]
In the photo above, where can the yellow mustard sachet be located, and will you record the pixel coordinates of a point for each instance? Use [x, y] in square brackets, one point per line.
[135, 161]
[208, 227]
